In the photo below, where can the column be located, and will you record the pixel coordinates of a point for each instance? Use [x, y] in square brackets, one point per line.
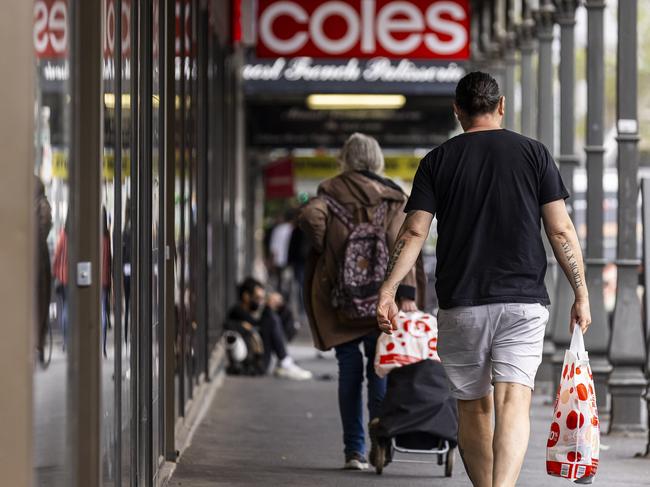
[563, 299]
[18, 256]
[526, 41]
[510, 61]
[544, 20]
[627, 383]
[645, 194]
[598, 337]
[476, 29]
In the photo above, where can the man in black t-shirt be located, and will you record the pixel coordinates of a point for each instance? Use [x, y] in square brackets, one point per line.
[490, 189]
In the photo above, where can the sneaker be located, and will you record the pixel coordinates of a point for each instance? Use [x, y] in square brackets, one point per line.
[292, 372]
[355, 461]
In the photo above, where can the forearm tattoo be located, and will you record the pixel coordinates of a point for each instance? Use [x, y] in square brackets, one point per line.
[399, 246]
[573, 264]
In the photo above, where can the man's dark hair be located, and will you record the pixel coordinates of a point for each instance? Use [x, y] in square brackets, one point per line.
[248, 285]
[477, 93]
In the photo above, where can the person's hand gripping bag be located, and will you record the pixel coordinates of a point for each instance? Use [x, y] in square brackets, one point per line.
[574, 440]
[415, 339]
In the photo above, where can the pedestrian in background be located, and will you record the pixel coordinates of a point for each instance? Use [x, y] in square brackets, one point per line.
[60, 273]
[358, 196]
[107, 266]
[43, 212]
[260, 310]
[489, 188]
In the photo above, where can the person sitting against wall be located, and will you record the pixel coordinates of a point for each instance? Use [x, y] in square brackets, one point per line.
[261, 311]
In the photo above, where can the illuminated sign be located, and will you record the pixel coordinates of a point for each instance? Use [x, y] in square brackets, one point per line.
[424, 29]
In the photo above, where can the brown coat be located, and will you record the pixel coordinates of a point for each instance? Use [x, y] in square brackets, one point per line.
[361, 195]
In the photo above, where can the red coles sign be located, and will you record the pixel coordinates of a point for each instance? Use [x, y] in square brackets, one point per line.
[430, 29]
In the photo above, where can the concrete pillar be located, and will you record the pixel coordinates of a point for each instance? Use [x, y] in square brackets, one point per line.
[598, 337]
[17, 250]
[563, 299]
[627, 383]
[510, 61]
[526, 42]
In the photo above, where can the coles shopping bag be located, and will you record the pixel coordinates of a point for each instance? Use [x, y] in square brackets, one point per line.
[574, 440]
[415, 339]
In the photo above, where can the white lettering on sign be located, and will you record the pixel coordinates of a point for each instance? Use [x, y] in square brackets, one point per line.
[290, 9]
[366, 28]
[303, 69]
[379, 69]
[50, 28]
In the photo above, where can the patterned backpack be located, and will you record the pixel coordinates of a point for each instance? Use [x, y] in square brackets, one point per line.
[365, 258]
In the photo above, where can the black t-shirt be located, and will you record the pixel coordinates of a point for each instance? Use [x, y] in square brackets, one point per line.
[486, 189]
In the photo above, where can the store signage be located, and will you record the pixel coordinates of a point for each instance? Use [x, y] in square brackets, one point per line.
[279, 179]
[51, 28]
[272, 122]
[425, 29]
[377, 69]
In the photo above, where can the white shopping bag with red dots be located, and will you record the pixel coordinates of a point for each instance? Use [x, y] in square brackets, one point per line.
[415, 339]
[574, 441]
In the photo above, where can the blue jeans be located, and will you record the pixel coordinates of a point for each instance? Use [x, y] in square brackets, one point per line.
[350, 360]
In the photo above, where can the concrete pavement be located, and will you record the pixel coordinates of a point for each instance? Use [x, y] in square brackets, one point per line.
[264, 431]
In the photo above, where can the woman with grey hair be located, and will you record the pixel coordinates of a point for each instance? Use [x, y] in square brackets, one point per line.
[352, 225]
[362, 153]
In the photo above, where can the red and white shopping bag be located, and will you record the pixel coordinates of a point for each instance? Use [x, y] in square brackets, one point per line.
[574, 441]
[415, 339]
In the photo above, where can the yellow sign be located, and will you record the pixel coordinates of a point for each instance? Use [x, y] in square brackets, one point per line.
[108, 167]
[60, 165]
[323, 167]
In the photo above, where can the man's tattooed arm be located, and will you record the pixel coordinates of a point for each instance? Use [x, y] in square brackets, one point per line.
[566, 247]
[573, 264]
[408, 245]
[394, 256]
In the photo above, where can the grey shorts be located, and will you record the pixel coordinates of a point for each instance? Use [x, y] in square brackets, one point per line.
[500, 342]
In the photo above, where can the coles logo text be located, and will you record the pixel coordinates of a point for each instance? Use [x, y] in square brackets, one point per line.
[424, 29]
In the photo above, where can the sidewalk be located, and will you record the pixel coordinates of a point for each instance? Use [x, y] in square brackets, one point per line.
[264, 431]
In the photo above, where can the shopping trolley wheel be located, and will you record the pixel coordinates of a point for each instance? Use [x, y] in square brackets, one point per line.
[449, 462]
[380, 458]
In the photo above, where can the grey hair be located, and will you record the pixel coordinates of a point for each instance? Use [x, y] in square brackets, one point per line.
[362, 152]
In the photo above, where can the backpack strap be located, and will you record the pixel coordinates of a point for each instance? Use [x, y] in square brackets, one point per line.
[339, 211]
[380, 214]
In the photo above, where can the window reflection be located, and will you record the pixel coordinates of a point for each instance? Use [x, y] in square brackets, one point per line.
[51, 138]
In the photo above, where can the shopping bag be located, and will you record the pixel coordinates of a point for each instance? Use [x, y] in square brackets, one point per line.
[415, 339]
[574, 440]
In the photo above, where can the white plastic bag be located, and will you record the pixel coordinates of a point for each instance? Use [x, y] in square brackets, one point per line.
[573, 445]
[415, 339]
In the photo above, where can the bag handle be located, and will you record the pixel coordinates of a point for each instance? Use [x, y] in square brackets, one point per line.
[577, 342]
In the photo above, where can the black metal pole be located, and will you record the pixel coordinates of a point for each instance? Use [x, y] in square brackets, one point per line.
[526, 42]
[627, 383]
[598, 337]
[563, 299]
